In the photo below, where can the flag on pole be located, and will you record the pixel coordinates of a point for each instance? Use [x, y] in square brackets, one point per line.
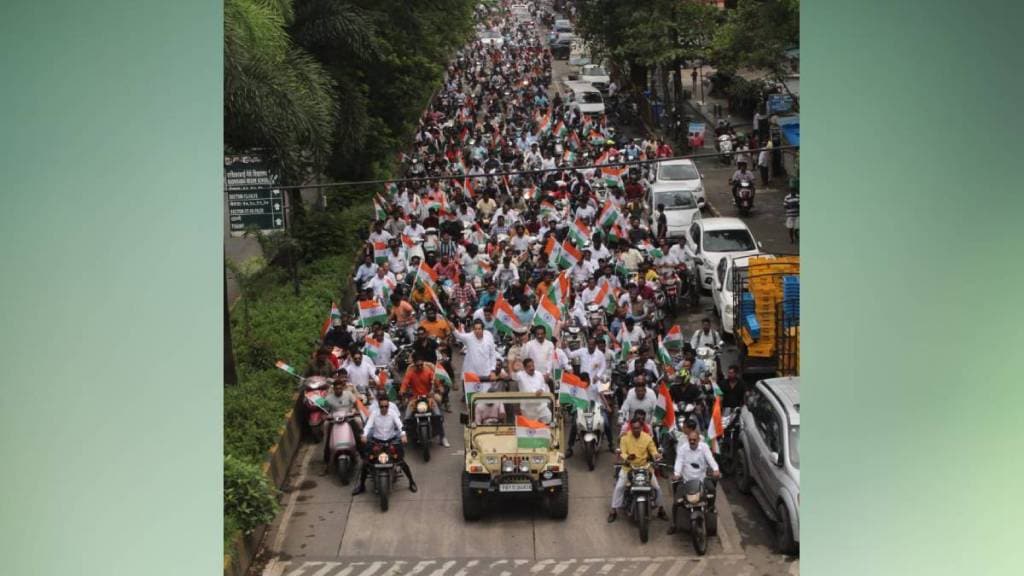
[664, 410]
[371, 348]
[471, 382]
[572, 391]
[569, 156]
[596, 137]
[531, 433]
[609, 215]
[674, 338]
[627, 348]
[547, 315]
[569, 255]
[426, 275]
[380, 252]
[579, 232]
[379, 213]
[603, 294]
[549, 247]
[715, 428]
[468, 190]
[441, 375]
[560, 129]
[286, 368]
[665, 359]
[371, 312]
[505, 319]
[574, 141]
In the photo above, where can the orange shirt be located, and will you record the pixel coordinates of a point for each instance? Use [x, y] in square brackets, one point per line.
[420, 381]
[403, 313]
[439, 328]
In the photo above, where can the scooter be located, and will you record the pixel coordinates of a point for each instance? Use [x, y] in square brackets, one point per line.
[725, 149]
[590, 429]
[698, 501]
[744, 193]
[342, 441]
[595, 316]
[314, 390]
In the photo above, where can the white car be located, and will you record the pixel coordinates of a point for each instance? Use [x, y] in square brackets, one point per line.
[585, 97]
[711, 239]
[596, 76]
[681, 173]
[681, 208]
[492, 37]
[520, 11]
[722, 288]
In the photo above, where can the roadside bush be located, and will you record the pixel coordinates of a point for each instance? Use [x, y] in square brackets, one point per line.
[249, 499]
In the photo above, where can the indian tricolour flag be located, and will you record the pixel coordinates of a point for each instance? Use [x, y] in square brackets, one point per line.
[391, 188]
[280, 364]
[627, 348]
[572, 390]
[674, 338]
[380, 252]
[468, 189]
[609, 215]
[379, 213]
[371, 312]
[371, 348]
[545, 123]
[560, 129]
[569, 255]
[603, 294]
[665, 359]
[471, 382]
[580, 232]
[569, 156]
[664, 410]
[441, 375]
[505, 319]
[427, 276]
[715, 428]
[547, 315]
[531, 433]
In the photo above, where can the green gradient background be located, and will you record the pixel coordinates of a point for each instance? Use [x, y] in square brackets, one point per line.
[912, 440]
[110, 241]
[110, 238]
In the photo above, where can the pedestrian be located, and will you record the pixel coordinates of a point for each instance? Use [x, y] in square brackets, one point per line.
[763, 162]
[792, 204]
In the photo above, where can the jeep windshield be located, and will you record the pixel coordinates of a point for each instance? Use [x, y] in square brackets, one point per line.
[503, 411]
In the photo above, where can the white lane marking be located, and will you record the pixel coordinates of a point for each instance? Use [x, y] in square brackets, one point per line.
[395, 568]
[498, 563]
[348, 569]
[302, 568]
[274, 567]
[651, 569]
[607, 568]
[421, 566]
[328, 566]
[582, 569]
[676, 567]
[440, 571]
[372, 569]
[702, 564]
[286, 518]
[540, 566]
[562, 566]
[462, 571]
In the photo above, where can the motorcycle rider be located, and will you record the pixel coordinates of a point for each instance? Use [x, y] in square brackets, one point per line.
[385, 347]
[367, 269]
[404, 316]
[705, 336]
[638, 449]
[423, 347]
[342, 398]
[734, 390]
[435, 326]
[639, 398]
[384, 425]
[741, 175]
[419, 381]
[695, 462]
[361, 372]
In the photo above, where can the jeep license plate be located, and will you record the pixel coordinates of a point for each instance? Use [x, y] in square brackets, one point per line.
[518, 487]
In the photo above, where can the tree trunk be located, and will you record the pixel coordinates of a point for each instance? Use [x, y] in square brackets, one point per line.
[677, 66]
[230, 374]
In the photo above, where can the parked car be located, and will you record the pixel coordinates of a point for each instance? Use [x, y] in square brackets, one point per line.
[768, 456]
[596, 76]
[683, 173]
[711, 239]
[562, 25]
[722, 289]
[561, 46]
[585, 97]
[681, 207]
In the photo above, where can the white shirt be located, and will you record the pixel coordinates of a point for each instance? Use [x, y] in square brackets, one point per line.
[634, 336]
[481, 354]
[366, 272]
[382, 236]
[531, 384]
[384, 426]
[701, 339]
[520, 243]
[589, 294]
[377, 284]
[415, 232]
[601, 253]
[360, 375]
[396, 262]
[387, 348]
[649, 365]
[540, 353]
[580, 272]
[632, 404]
[693, 463]
[593, 364]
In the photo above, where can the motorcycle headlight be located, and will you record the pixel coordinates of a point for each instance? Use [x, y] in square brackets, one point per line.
[524, 465]
[421, 407]
[640, 478]
[693, 498]
[383, 458]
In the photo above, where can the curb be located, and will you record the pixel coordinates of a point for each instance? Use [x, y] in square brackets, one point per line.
[275, 467]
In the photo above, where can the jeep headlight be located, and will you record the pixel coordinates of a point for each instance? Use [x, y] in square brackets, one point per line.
[537, 459]
[507, 467]
[490, 460]
[421, 407]
[547, 474]
[524, 465]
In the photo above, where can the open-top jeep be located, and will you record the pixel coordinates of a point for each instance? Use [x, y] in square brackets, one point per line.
[514, 446]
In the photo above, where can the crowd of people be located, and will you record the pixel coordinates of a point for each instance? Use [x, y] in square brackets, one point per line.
[520, 241]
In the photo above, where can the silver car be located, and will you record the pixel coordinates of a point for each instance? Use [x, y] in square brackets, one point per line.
[768, 456]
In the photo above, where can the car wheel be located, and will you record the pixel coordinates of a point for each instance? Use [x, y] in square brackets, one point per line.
[784, 541]
[558, 503]
[472, 504]
[743, 480]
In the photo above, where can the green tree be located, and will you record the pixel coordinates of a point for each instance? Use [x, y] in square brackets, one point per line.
[757, 34]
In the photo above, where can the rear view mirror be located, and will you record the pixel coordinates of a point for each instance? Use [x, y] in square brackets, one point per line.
[464, 419]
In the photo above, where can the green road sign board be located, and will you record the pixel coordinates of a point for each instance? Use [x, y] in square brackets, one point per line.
[248, 206]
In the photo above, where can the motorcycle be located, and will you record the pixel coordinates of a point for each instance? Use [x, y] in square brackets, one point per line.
[638, 497]
[744, 193]
[730, 440]
[314, 390]
[725, 148]
[698, 500]
[709, 356]
[384, 457]
[343, 452]
[595, 316]
[423, 425]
